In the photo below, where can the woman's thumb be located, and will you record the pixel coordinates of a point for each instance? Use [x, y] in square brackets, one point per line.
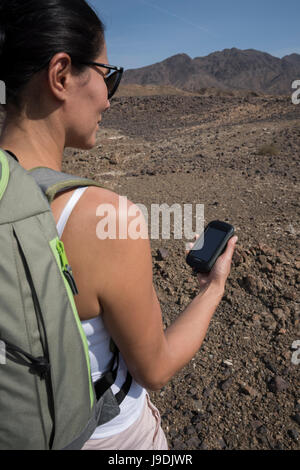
[231, 245]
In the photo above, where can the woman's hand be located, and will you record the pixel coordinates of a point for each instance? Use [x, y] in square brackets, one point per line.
[221, 269]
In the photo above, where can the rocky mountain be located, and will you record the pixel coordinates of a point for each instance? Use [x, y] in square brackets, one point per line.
[230, 69]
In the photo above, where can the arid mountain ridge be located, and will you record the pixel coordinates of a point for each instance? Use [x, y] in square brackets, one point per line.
[230, 69]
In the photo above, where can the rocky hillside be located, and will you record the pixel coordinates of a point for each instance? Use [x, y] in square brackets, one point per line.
[231, 69]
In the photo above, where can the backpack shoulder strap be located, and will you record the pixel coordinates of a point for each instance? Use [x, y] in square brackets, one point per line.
[4, 173]
[54, 182]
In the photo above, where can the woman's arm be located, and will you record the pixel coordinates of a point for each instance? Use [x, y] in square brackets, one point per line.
[132, 313]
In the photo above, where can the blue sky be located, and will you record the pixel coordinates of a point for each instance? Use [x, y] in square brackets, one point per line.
[143, 32]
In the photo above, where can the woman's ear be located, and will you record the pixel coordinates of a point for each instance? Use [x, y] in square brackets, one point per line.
[60, 75]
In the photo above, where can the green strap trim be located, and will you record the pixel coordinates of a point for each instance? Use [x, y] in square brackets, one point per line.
[4, 173]
[36, 168]
[70, 184]
[53, 245]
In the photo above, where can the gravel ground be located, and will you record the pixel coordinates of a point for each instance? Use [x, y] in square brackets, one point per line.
[239, 156]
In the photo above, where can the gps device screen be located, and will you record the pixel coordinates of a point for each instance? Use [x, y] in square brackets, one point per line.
[203, 256]
[212, 239]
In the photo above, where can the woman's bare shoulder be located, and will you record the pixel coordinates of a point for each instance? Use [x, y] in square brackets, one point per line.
[106, 220]
[96, 196]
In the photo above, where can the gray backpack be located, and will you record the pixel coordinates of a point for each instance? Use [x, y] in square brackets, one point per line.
[47, 398]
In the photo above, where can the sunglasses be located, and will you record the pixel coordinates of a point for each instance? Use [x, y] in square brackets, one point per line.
[113, 79]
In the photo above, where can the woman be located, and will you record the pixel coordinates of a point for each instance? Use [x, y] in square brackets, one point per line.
[56, 97]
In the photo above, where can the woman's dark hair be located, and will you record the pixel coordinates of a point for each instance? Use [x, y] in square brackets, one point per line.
[33, 31]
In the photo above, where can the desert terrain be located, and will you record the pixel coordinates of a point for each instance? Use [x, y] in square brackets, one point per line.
[238, 154]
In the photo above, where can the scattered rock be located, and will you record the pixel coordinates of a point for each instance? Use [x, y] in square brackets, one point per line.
[290, 294]
[279, 445]
[227, 362]
[294, 434]
[296, 418]
[225, 385]
[208, 390]
[193, 391]
[266, 250]
[248, 390]
[262, 429]
[270, 365]
[189, 430]
[210, 408]
[188, 413]
[203, 446]
[193, 443]
[277, 384]
[162, 254]
[198, 427]
[183, 300]
[238, 258]
[197, 405]
[253, 285]
[269, 322]
[256, 318]
[178, 444]
[257, 424]
[221, 443]
[172, 433]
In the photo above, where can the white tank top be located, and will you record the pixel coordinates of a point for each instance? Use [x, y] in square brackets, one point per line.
[100, 356]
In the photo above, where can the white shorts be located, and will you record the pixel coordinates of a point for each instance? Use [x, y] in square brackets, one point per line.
[144, 434]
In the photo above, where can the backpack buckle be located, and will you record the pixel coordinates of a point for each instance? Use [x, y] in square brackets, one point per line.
[41, 367]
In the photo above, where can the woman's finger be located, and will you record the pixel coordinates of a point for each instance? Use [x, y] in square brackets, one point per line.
[190, 245]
